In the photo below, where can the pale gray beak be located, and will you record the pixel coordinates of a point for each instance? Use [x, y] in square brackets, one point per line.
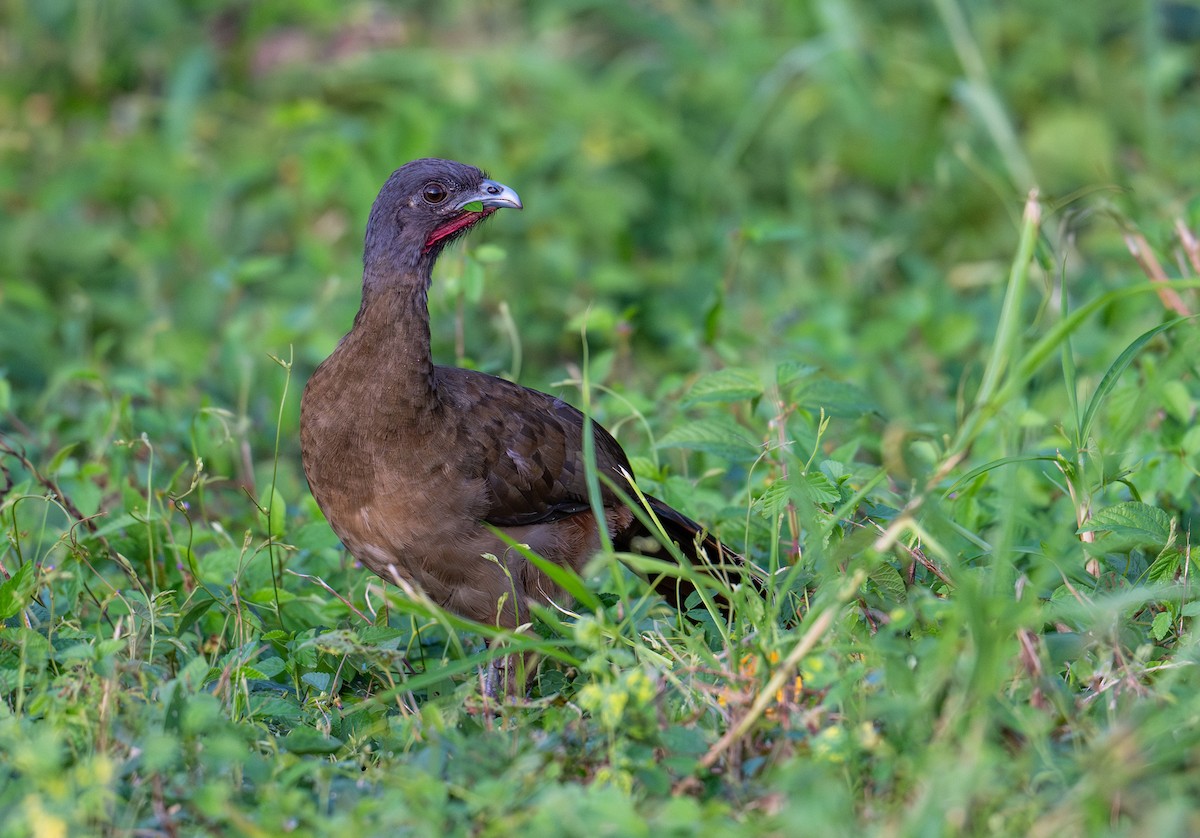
[493, 194]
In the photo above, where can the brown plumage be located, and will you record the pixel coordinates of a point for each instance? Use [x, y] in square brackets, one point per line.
[412, 463]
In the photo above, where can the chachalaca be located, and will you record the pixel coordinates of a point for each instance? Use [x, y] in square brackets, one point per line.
[414, 463]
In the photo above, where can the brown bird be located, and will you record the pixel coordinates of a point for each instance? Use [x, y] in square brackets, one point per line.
[414, 464]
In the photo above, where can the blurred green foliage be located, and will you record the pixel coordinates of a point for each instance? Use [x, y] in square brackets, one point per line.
[763, 215]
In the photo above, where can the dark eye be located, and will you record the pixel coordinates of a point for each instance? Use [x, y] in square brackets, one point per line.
[434, 193]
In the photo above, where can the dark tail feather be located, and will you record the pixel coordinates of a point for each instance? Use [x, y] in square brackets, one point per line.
[697, 544]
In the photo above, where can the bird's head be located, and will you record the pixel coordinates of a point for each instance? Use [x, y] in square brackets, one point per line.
[425, 205]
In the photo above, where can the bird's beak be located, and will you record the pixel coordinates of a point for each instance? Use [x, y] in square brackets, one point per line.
[492, 194]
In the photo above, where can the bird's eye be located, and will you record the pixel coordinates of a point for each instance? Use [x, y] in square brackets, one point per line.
[434, 193]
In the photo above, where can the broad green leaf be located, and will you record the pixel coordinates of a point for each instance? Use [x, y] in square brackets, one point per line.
[714, 436]
[307, 740]
[774, 500]
[34, 647]
[814, 487]
[888, 580]
[790, 373]
[1131, 524]
[1161, 625]
[16, 591]
[1165, 566]
[728, 385]
[317, 680]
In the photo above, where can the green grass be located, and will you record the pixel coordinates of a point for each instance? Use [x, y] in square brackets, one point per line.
[787, 253]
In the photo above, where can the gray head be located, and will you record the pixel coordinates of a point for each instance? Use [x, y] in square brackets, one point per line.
[425, 205]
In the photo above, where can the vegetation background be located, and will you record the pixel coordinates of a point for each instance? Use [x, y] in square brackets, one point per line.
[819, 310]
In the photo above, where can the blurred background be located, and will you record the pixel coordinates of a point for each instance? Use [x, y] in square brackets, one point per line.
[832, 183]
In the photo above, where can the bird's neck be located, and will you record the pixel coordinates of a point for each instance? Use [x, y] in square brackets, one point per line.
[391, 338]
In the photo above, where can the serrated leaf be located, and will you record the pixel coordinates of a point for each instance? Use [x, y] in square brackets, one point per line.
[317, 680]
[725, 386]
[790, 373]
[814, 487]
[1165, 566]
[1191, 609]
[16, 591]
[834, 470]
[35, 648]
[1131, 524]
[713, 436]
[774, 500]
[889, 581]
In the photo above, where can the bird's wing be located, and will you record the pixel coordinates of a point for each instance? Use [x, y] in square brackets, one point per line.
[530, 449]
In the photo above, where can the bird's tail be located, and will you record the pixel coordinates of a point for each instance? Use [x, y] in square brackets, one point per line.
[701, 548]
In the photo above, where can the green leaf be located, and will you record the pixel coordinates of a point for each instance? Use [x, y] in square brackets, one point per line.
[791, 373]
[1109, 381]
[1131, 524]
[889, 581]
[722, 437]
[1190, 444]
[836, 398]
[307, 740]
[774, 500]
[16, 591]
[814, 487]
[1165, 566]
[35, 648]
[1161, 625]
[728, 385]
[57, 461]
[317, 680]
[474, 206]
[202, 603]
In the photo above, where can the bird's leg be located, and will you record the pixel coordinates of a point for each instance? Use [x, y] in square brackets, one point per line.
[508, 676]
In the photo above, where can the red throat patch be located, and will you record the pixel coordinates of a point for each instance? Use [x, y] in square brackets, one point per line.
[457, 224]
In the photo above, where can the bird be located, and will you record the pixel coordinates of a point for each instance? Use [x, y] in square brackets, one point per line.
[420, 468]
